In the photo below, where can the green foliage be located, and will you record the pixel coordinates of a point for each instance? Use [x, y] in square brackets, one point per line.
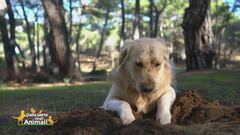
[66, 80]
[2, 84]
[92, 21]
[98, 72]
[89, 39]
[232, 33]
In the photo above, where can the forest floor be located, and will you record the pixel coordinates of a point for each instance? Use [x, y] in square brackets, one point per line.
[71, 103]
[191, 115]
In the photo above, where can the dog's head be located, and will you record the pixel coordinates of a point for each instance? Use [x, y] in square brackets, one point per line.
[146, 62]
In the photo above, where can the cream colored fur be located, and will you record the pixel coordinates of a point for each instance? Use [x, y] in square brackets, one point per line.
[143, 65]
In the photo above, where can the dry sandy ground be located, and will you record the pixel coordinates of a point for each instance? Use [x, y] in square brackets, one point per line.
[191, 115]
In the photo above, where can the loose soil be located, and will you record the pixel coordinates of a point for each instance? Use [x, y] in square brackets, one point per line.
[191, 115]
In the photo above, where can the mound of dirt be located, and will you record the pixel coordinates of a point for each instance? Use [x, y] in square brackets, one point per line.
[191, 107]
[190, 113]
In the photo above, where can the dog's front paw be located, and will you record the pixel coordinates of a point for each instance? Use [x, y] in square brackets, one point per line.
[164, 118]
[127, 118]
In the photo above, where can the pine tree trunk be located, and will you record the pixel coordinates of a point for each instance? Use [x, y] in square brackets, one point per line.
[7, 47]
[12, 42]
[122, 31]
[155, 16]
[198, 35]
[59, 33]
[102, 37]
[30, 41]
[77, 42]
[136, 22]
[123, 20]
[38, 46]
[70, 22]
[151, 6]
[48, 51]
[78, 46]
[103, 32]
[156, 27]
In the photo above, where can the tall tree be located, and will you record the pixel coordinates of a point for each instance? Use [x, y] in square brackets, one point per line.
[136, 21]
[37, 40]
[155, 15]
[102, 33]
[70, 21]
[151, 11]
[198, 35]
[36, 7]
[8, 49]
[30, 41]
[103, 30]
[122, 32]
[48, 50]
[78, 37]
[12, 42]
[59, 33]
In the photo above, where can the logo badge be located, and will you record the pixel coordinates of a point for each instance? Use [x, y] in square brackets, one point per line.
[34, 118]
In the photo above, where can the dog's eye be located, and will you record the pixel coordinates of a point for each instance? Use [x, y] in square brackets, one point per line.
[139, 64]
[157, 64]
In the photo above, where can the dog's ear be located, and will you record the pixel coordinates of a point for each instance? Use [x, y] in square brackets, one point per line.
[125, 51]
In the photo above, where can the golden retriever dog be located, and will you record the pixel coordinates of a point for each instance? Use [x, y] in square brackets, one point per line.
[143, 81]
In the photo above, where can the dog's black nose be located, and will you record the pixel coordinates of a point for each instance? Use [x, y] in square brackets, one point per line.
[147, 89]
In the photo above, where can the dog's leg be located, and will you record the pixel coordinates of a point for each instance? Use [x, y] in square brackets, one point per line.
[122, 108]
[164, 104]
